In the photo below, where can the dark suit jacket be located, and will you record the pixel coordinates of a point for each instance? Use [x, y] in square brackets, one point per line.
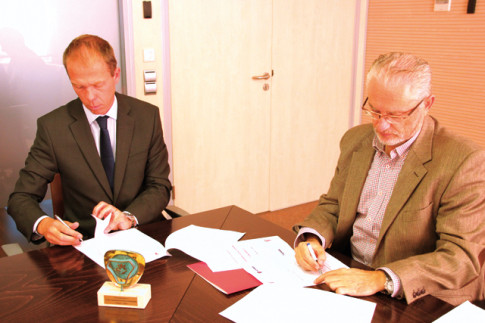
[64, 144]
[433, 230]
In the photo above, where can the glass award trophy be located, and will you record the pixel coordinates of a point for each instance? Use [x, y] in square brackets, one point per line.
[124, 269]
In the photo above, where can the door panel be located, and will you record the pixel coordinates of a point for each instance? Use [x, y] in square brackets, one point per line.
[311, 96]
[235, 143]
[220, 115]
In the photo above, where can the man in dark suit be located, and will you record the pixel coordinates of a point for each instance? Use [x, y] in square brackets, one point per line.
[407, 198]
[125, 176]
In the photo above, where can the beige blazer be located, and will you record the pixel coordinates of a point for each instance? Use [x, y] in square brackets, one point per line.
[64, 144]
[433, 231]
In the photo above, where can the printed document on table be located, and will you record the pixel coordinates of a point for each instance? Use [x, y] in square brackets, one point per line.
[272, 260]
[129, 240]
[206, 244]
[283, 303]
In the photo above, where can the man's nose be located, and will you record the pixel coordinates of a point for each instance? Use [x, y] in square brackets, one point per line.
[90, 95]
[381, 124]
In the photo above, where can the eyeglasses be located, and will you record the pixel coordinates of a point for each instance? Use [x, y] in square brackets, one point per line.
[392, 119]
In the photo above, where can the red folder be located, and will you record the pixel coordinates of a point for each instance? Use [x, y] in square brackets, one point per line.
[228, 281]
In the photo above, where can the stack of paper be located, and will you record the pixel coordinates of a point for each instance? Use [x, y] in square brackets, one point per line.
[228, 264]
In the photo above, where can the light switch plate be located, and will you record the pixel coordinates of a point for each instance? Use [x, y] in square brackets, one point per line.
[149, 55]
[442, 5]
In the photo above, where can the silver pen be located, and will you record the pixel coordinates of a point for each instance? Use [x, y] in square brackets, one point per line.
[59, 218]
[312, 253]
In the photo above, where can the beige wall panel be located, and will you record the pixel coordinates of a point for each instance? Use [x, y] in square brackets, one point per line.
[311, 96]
[453, 42]
[220, 116]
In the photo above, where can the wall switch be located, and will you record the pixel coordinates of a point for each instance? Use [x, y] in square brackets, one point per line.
[442, 5]
[147, 9]
[149, 55]
[150, 87]
[149, 76]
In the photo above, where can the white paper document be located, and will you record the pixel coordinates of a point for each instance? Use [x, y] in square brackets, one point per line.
[128, 240]
[269, 259]
[466, 312]
[283, 303]
[272, 260]
[206, 244]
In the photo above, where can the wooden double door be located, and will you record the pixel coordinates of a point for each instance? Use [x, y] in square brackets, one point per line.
[261, 93]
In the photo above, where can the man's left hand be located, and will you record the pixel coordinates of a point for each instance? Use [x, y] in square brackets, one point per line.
[354, 282]
[119, 220]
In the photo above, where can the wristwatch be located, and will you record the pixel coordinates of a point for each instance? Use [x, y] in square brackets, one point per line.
[132, 218]
[388, 285]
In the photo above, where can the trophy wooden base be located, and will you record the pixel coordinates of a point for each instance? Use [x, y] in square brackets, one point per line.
[137, 296]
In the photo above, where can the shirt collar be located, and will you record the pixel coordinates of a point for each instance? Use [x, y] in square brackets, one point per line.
[398, 151]
[112, 112]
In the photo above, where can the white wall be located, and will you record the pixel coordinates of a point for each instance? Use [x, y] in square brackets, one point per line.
[33, 36]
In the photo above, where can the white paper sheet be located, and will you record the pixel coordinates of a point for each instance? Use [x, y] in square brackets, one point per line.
[272, 260]
[269, 259]
[128, 240]
[466, 312]
[101, 225]
[206, 244]
[280, 303]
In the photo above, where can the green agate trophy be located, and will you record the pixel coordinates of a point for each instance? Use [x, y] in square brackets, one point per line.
[124, 269]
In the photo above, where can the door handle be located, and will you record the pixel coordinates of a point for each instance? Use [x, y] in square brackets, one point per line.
[265, 76]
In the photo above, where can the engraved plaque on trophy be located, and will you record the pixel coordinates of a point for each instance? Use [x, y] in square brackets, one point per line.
[124, 269]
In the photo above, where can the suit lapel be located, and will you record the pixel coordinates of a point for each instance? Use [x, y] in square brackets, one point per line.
[359, 167]
[412, 172]
[83, 136]
[124, 136]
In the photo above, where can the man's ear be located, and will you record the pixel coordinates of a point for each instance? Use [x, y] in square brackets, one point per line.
[117, 74]
[428, 102]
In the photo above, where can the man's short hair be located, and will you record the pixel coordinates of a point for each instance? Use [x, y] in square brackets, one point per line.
[402, 69]
[89, 44]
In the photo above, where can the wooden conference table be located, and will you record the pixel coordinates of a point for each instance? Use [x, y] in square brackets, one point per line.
[60, 283]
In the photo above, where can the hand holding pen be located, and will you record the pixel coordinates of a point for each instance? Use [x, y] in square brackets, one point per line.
[309, 254]
[312, 253]
[66, 225]
[58, 232]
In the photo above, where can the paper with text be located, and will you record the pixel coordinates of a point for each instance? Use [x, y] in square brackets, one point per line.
[205, 244]
[272, 260]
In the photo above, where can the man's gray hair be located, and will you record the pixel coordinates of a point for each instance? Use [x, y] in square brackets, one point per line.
[403, 69]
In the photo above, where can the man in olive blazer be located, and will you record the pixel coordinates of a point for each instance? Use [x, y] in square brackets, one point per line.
[65, 144]
[433, 231]
[407, 197]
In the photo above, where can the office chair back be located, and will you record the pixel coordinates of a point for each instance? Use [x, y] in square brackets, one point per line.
[56, 195]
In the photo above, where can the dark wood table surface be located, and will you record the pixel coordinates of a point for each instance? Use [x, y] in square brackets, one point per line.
[59, 284]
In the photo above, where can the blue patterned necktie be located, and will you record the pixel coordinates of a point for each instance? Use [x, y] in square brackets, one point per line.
[106, 151]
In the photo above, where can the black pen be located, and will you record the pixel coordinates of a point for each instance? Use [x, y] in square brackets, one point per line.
[59, 218]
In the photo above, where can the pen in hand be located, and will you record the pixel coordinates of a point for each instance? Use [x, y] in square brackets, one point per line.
[312, 253]
[58, 218]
